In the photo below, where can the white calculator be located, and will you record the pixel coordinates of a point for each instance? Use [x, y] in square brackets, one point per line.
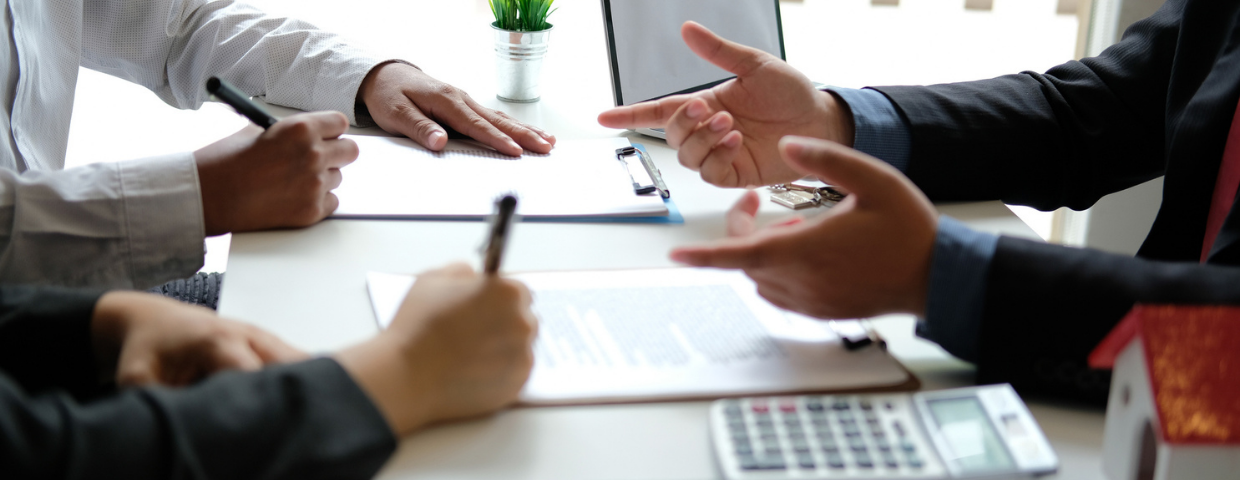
[978, 432]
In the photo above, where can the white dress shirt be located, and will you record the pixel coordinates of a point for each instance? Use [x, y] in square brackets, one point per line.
[137, 223]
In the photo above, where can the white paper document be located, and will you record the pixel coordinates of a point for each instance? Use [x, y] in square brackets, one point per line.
[397, 178]
[635, 335]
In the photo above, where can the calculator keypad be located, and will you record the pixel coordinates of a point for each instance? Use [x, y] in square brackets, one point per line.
[822, 437]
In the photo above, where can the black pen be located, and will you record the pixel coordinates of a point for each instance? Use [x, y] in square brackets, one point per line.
[229, 94]
[501, 224]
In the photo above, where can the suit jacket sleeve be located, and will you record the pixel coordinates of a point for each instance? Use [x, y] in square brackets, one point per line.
[1048, 306]
[45, 338]
[307, 420]
[1061, 138]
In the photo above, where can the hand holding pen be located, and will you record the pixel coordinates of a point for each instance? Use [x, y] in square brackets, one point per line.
[278, 178]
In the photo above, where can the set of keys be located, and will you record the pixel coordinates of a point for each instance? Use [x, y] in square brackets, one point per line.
[796, 196]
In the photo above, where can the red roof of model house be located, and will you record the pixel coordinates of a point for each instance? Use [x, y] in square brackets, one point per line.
[1192, 356]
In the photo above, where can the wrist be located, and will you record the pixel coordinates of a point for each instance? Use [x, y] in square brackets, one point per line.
[369, 82]
[378, 367]
[840, 126]
[109, 325]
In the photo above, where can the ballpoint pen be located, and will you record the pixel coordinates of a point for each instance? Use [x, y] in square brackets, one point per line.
[501, 224]
[229, 94]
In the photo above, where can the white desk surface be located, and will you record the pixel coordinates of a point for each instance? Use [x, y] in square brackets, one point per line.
[308, 285]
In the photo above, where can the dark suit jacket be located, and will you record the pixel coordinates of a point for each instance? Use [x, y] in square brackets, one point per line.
[1160, 102]
[302, 421]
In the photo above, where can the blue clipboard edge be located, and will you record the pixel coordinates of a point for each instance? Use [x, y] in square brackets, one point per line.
[673, 216]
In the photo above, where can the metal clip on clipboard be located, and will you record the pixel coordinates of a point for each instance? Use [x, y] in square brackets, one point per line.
[642, 171]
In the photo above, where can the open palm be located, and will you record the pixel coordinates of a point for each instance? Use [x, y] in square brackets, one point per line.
[730, 133]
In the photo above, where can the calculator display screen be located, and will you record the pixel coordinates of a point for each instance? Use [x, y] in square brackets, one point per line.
[971, 439]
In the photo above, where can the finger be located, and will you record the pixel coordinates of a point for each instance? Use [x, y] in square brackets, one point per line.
[270, 349]
[736, 252]
[741, 219]
[522, 133]
[695, 139]
[455, 269]
[687, 121]
[333, 178]
[234, 354]
[413, 123]
[719, 166]
[460, 116]
[137, 372]
[330, 203]
[340, 152]
[868, 178]
[725, 54]
[325, 124]
[646, 114]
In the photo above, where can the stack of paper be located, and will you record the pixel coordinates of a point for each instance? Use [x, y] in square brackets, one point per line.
[396, 178]
[638, 335]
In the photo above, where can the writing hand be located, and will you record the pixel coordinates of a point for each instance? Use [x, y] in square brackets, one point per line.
[460, 346]
[403, 100]
[869, 255]
[281, 177]
[152, 339]
[730, 133]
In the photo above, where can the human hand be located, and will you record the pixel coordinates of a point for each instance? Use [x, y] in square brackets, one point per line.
[730, 133]
[152, 339]
[460, 346]
[869, 255]
[281, 177]
[403, 100]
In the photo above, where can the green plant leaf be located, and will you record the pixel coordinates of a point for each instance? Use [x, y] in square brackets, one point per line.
[522, 15]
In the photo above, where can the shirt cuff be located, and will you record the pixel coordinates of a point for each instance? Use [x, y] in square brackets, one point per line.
[881, 130]
[957, 288]
[163, 218]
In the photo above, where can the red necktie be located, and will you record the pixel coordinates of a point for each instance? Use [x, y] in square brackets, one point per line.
[1224, 186]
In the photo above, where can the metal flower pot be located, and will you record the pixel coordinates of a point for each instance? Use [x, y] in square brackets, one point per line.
[518, 63]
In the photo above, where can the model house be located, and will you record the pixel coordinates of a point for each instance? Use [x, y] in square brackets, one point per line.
[1174, 407]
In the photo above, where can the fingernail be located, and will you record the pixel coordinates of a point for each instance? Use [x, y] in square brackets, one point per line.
[719, 123]
[679, 256]
[696, 109]
[732, 141]
[515, 146]
[434, 138]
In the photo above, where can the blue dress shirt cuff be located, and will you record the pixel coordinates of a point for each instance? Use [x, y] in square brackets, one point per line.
[881, 131]
[957, 288]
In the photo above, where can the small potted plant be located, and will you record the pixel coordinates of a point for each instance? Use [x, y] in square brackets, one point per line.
[521, 36]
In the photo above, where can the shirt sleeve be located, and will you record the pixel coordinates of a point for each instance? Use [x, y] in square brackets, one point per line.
[957, 288]
[302, 421]
[131, 224]
[880, 129]
[173, 46]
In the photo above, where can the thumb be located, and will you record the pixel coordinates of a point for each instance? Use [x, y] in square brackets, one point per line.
[866, 177]
[725, 54]
[740, 218]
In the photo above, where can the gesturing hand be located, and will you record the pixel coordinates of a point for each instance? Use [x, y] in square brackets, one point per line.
[282, 177]
[460, 346]
[868, 255]
[730, 133]
[405, 101]
[152, 339]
